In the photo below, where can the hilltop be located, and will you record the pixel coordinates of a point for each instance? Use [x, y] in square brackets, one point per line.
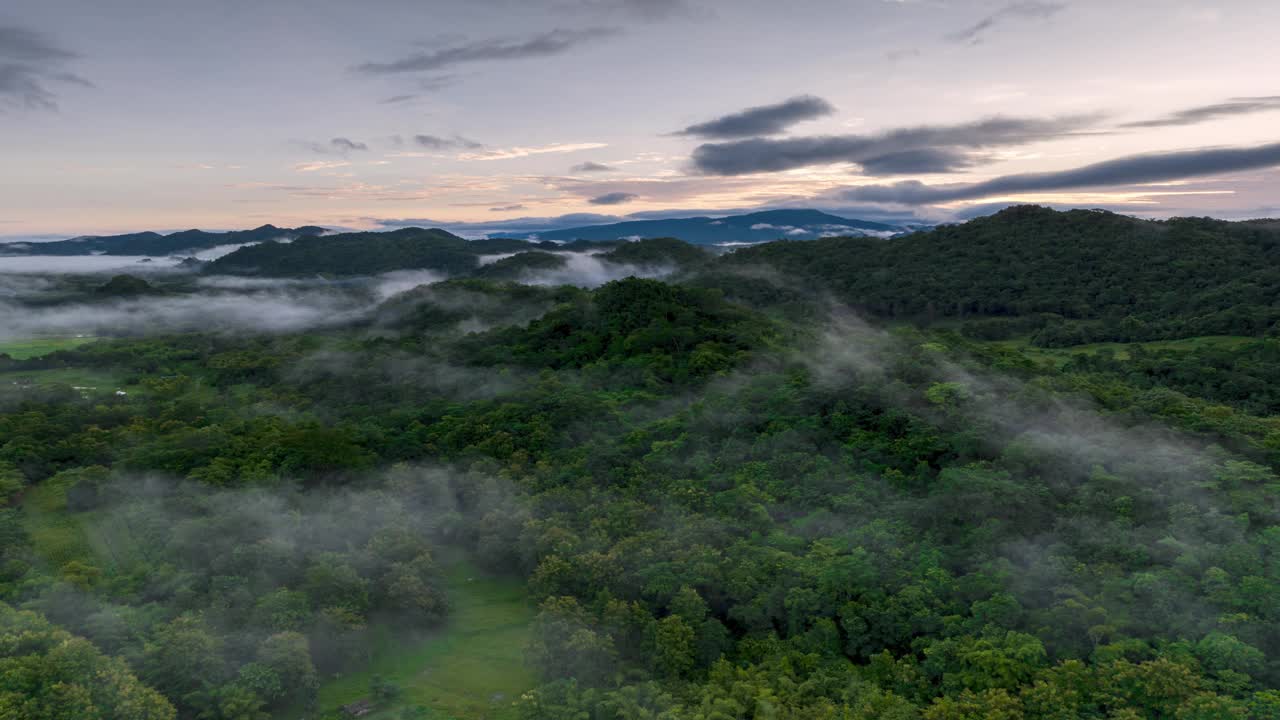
[749, 228]
[1096, 275]
[156, 244]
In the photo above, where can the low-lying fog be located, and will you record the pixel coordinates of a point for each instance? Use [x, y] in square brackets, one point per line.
[34, 301]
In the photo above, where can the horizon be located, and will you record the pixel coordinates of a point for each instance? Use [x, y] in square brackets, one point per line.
[480, 231]
[485, 113]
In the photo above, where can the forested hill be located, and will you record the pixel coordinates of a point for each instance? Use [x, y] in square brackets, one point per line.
[1084, 275]
[363, 253]
[155, 244]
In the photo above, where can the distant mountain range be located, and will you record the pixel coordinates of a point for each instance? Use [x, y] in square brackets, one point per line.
[155, 244]
[751, 228]
[745, 229]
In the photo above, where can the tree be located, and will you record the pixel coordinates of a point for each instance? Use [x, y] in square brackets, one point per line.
[675, 652]
[48, 674]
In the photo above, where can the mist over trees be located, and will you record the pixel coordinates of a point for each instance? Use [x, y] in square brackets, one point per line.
[801, 480]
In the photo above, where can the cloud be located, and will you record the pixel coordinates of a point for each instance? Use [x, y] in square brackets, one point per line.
[1146, 168]
[762, 119]
[613, 198]
[29, 63]
[436, 82]
[590, 167]
[1027, 10]
[545, 44]
[435, 142]
[320, 165]
[1205, 113]
[920, 149]
[338, 146]
[396, 99]
[507, 208]
[347, 145]
[646, 10]
[519, 152]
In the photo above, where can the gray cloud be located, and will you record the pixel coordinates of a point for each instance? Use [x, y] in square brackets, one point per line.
[647, 10]
[507, 208]
[1147, 168]
[1205, 113]
[347, 145]
[920, 149]
[29, 62]
[1027, 10]
[922, 160]
[336, 146]
[613, 198]
[554, 42]
[590, 167]
[457, 142]
[436, 82]
[762, 119]
[397, 99]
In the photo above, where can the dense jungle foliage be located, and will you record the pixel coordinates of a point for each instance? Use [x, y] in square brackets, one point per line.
[750, 490]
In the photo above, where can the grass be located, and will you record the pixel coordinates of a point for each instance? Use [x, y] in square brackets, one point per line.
[471, 669]
[58, 536]
[100, 381]
[36, 347]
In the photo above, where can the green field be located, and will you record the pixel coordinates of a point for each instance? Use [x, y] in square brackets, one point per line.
[35, 347]
[471, 669]
[100, 382]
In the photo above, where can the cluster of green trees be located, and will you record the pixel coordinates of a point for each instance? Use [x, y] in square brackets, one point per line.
[727, 502]
[48, 674]
[1097, 276]
[229, 604]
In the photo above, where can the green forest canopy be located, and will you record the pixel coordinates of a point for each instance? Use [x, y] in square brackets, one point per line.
[726, 496]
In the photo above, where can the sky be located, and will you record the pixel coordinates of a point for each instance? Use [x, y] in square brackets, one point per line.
[129, 115]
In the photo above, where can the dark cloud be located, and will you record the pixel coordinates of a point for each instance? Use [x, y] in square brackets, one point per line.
[1148, 168]
[762, 119]
[921, 149]
[1205, 113]
[922, 160]
[554, 42]
[23, 45]
[590, 167]
[337, 146]
[1027, 10]
[436, 82]
[347, 145]
[397, 99]
[29, 64]
[457, 142]
[507, 208]
[613, 198]
[647, 10]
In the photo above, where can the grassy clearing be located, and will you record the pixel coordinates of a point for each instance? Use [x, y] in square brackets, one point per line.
[36, 347]
[98, 380]
[58, 536]
[471, 669]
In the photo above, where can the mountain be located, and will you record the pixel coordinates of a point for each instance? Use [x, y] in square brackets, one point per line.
[754, 227]
[1071, 277]
[155, 244]
[362, 253]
